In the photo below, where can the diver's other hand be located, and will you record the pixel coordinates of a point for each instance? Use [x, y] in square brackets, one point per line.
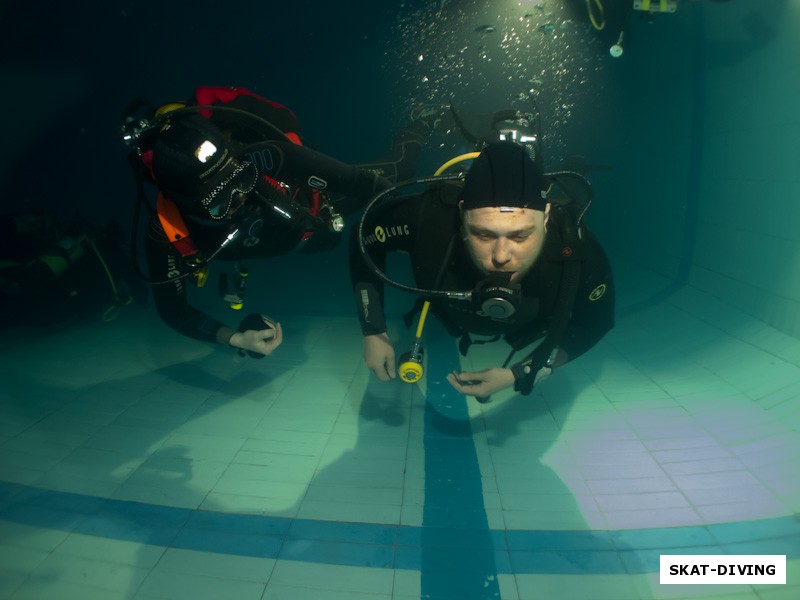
[379, 356]
[263, 341]
[481, 383]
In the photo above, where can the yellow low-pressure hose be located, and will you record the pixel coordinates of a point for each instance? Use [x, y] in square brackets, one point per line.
[411, 370]
[592, 19]
[453, 161]
[422, 316]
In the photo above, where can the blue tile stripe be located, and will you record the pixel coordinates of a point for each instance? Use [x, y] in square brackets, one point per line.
[459, 556]
[388, 546]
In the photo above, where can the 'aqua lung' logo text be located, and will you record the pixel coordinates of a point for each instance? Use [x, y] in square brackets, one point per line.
[382, 234]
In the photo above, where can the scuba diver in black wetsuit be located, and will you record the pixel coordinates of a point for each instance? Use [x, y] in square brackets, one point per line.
[235, 182]
[502, 252]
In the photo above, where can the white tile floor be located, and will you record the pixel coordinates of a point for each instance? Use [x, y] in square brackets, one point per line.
[136, 464]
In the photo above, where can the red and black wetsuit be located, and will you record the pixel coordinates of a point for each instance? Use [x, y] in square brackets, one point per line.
[282, 158]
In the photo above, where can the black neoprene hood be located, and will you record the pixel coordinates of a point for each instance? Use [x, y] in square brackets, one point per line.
[504, 174]
[178, 169]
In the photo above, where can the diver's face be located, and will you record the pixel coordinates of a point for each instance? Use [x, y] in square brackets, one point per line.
[504, 239]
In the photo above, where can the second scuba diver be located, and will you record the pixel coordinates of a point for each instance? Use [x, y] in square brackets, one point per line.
[235, 182]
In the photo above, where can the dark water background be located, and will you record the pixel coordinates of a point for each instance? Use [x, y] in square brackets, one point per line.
[351, 71]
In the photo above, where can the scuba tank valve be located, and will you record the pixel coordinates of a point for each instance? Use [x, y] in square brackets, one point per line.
[332, 218]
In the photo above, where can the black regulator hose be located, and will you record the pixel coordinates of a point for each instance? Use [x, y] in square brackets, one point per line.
[368, 259]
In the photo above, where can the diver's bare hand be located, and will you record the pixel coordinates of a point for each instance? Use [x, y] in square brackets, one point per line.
[379, 356]
[263, 341]
[481, 384]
